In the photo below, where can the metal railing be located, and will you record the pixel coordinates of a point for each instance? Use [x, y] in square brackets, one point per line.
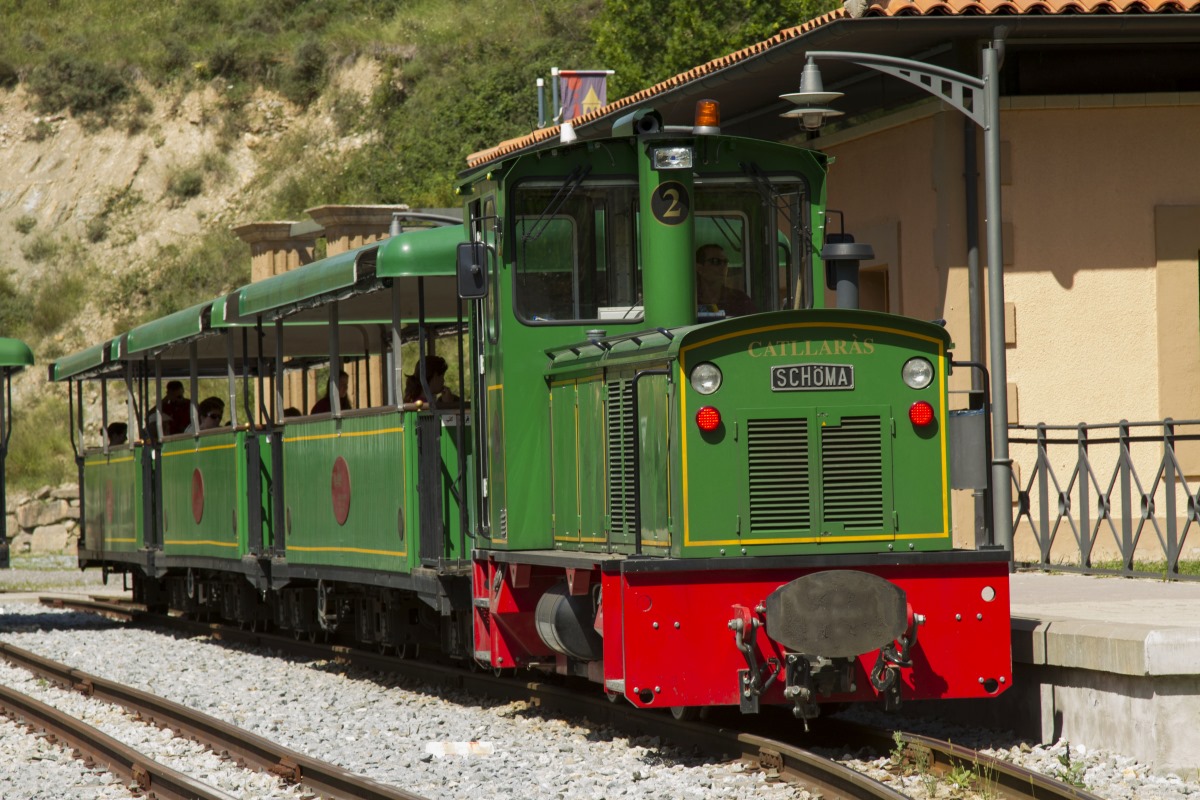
[1107, 510]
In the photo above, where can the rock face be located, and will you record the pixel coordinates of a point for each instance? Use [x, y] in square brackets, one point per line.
[46, 521]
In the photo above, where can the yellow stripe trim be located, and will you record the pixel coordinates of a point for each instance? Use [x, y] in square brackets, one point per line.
[574, 381]
[205, 542]
[108, 462]
[794, 325]
[120, 541]
[342, 434]
[887, 537]
[365, 551]
[199, 450]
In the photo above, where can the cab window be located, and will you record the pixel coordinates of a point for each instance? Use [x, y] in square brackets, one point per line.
[576, 252]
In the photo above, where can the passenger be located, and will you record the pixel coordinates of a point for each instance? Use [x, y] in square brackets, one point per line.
[712, 293]
[435, 376]
[118, 433]
[324, 405]
[177, 409]
[291, 411]
[211, 410]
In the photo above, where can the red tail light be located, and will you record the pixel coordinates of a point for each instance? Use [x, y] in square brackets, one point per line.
[920, 414]
[708, 419]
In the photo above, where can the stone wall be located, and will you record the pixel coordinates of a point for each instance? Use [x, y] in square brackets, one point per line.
[46, 521]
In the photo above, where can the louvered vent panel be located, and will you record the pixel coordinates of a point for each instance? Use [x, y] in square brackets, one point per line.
[780, 489]
[620, 451]
[852, 474]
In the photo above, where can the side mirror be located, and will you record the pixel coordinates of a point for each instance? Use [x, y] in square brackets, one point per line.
[472, 270]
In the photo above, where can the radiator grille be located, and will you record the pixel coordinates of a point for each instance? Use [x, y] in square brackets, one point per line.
[852, 474]
[780, 489]
[619, 419]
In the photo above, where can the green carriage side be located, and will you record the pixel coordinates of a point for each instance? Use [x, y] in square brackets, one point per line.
[358, 499]
[114, 520]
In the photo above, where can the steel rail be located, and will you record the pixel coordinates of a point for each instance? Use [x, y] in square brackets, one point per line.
[994, 776]
[243, 747]
[1007, 779]
[98, 748]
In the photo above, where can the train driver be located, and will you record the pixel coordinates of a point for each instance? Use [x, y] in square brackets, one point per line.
[713, 295]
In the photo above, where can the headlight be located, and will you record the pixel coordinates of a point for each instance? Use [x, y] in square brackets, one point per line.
[917, 373]
[706, 378]
[672, 157]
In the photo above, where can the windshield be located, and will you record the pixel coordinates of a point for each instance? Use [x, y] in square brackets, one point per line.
[577, 254]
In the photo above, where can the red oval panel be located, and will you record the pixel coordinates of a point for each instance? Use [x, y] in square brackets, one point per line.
[197, 495]
[339, 490]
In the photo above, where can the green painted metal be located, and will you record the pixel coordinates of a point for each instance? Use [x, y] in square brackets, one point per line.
[819, 470]
[79, 363]
[423, 253]
[373, 448]
[112, 499]
[203, 487]
[173, 328]
[14, 353]
[450, 545]
[327, 276]
[565, 456]
[668, 239]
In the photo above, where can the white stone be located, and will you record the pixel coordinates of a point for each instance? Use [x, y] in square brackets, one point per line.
[50, 539]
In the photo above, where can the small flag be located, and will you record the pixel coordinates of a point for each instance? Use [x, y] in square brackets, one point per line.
[582, 91]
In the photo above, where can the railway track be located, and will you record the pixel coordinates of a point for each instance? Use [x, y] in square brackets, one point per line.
[96, 748]
[971, 771]
[243, 747]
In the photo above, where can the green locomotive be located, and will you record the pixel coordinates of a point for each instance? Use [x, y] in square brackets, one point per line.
[678, 474]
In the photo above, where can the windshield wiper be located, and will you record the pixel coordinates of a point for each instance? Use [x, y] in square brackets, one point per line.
[560, 197]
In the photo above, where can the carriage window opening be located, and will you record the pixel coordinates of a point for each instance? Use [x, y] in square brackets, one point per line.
[576, 253]
[756, 222]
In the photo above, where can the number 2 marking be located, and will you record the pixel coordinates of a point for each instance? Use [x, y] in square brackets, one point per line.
[673, 209]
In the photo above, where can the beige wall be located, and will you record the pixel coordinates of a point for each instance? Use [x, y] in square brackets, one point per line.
[1101, 209]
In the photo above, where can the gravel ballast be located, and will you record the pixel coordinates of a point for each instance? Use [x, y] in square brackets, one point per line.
[400, 733]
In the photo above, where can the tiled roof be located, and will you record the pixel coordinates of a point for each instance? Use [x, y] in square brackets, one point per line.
[874, 8]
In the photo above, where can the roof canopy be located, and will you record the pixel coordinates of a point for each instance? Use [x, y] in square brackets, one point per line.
[418, 264]
[14, 355]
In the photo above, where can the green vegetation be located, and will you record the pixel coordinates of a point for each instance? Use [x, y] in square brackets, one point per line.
[24, 224]
[632, 39]
[179, 276]
[116, 205]
[1158, 566]
[184, 184]
[1071, 772]
[35, 459]
[43, 247]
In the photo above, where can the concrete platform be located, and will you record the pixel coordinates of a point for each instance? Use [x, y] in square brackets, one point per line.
[1105, 662]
